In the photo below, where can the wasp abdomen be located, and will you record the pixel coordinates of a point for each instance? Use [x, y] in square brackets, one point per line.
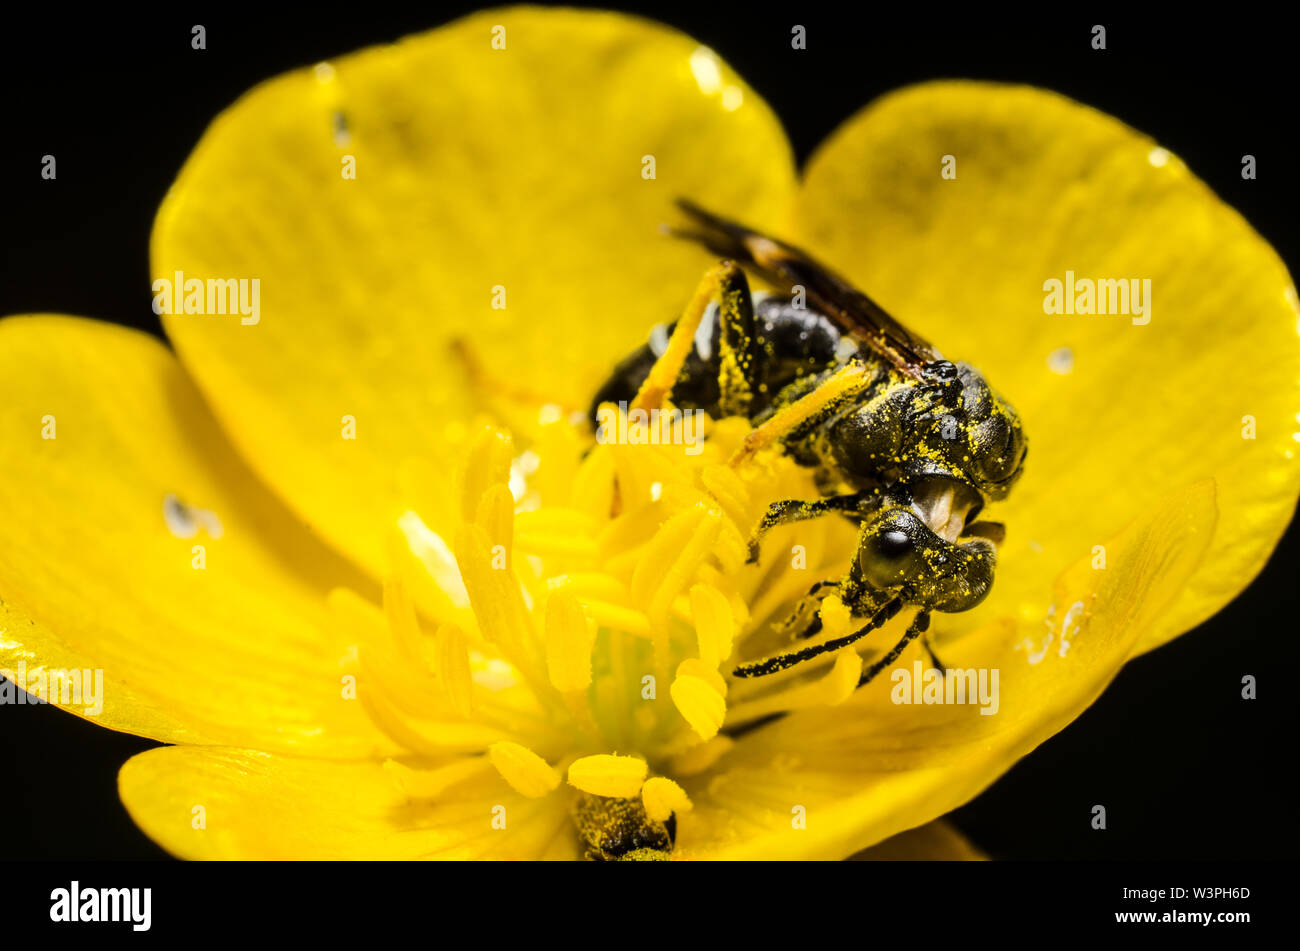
[792, 344]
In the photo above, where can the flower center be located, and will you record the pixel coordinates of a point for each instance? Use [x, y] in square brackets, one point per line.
[595, 606]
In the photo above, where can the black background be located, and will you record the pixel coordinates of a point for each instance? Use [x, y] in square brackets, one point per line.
[1185, 767]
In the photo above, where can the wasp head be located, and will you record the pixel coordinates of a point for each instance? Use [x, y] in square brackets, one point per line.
[909, 549]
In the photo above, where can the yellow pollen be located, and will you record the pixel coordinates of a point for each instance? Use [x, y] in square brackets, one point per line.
[526, 772]
[608, 774]
[662, 797]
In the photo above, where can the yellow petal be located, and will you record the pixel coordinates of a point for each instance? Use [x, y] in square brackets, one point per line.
[937, 841]
[217, 803]
[483, 176]
[828, 781]
[99, 571]
[1044, 185]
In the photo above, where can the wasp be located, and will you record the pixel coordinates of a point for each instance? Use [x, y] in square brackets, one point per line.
[906, 444]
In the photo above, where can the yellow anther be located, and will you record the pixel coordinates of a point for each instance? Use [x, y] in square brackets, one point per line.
[592, 584]
[670, 561]
[618, 617]
[496, 516]
[662, 797]
[657, 558]
[526, 772]
[452, 669]
[488, 464]
[493, 592]
[699, 703]
[694, 667]
[836, 616]
[608, 774]
[715, 627]
[569, 639]
[729, 490]
[593, 485]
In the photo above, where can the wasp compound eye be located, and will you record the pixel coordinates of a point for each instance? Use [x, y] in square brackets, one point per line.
[890, 554]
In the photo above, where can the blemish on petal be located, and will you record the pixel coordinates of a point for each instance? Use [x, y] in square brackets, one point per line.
[1158, 157]
[1068, 626]
[1035, 655]
[342, 136]
[1061, 360]
[184, 521]
[705, 69]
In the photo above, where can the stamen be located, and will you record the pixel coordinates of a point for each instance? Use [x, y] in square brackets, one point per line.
[496, 516]
[618, 617]
[694, 667]
[608, 774]
[526, 772]
[452, 669]
[729, 490]
[671, 558]
[715, 627]
[699, 703]
[569, 640]
[662, 797]
[488, 464]
[402, 623]
[426, 737]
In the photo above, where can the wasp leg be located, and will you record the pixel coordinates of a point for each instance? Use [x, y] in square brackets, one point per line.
[785, 661]
[726, 283]
[995, 532]
[935, 662]
[918, 626]
[798, 510]
[805, 619]
[738, 341]
[825, 400]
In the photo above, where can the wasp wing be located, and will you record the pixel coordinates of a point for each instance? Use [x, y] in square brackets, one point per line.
[784, 265]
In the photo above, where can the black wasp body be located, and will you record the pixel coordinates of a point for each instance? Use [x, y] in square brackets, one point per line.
[907, 444]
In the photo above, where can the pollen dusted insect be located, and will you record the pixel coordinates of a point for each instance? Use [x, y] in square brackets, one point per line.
[905, 443]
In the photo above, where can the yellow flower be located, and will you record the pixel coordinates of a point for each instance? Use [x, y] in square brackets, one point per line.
[372, 625]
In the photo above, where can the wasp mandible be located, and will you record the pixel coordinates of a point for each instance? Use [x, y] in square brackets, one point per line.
[905, 443]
